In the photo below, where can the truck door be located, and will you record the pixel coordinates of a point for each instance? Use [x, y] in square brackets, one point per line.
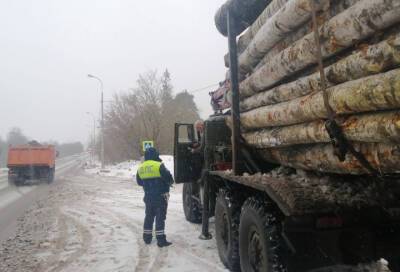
[184, 140]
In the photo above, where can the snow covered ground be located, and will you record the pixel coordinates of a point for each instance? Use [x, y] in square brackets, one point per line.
[128, 169]
[92, 221]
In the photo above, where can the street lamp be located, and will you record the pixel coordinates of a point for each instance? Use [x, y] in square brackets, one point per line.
[94, 131]
[102, 119]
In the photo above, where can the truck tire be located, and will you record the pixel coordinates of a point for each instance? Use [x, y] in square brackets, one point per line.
[50, 177]
[11, 181]
[227, 218]
[394, 264]
[19, 181]
[260, 244]
[191, 206]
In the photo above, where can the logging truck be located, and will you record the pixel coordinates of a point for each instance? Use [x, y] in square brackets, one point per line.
[300, 172]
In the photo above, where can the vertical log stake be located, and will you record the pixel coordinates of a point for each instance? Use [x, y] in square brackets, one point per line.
[205, 234]
[235, 111]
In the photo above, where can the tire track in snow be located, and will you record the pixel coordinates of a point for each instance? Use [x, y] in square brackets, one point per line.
[185, 249]
[149, 260]
[66, 223]
[160, 256]
[144, 251]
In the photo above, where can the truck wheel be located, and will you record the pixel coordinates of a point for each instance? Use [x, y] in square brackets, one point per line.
[227, 216]
[191, 206]
[19, 181]
[394, 264]
[50, 177]
[259, 239]
[11, 181]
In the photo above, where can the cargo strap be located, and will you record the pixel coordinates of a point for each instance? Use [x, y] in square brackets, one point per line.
[340, 144]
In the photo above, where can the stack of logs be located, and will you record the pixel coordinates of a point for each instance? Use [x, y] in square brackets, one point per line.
[282, 109]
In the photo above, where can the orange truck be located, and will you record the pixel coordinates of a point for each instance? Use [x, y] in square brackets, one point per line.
[31, 162]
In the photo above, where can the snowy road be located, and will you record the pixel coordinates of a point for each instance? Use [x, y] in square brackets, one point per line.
[15, 200]
[89, 222]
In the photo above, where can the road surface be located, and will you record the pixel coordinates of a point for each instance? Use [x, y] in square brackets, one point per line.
[92, 222]
[15, 200]
[89, 220]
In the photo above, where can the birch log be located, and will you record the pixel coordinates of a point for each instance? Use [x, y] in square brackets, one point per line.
[335, 8]
[383, 127]
[366, 61]
[251, 32]
[356, 23]
[378, 92]
[320, 157]
[245, 11]
[294, 14]
[247, 36]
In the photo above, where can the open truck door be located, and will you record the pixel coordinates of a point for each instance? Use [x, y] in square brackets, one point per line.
[184, 140]
[185, 171]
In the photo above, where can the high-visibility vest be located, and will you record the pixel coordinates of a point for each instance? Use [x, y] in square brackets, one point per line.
[149, 170]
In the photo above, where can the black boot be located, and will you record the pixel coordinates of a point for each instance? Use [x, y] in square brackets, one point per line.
[162, 242]
[147, 238]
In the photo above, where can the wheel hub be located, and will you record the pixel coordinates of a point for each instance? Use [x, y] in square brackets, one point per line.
[255, 251]
[224, 230]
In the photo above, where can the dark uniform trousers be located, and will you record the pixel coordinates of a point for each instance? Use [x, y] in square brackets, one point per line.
[156, 208]
[155, 180]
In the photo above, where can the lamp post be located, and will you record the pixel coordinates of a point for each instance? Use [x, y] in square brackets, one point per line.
[102, 119]
[94, 131]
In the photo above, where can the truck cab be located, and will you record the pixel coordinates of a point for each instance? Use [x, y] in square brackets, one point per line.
[192, 160]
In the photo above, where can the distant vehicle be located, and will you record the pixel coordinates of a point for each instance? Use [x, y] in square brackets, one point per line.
[31, 161]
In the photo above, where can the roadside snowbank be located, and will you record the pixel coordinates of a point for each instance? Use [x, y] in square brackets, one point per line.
[126, 169]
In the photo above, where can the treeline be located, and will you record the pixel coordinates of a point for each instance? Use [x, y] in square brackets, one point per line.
[68, 149]
[16, 137]
[147, 112]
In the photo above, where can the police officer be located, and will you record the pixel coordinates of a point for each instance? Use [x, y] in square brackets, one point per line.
[156, 180]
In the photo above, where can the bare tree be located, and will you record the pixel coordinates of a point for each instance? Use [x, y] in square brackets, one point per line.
[16, 137]
[147, 112]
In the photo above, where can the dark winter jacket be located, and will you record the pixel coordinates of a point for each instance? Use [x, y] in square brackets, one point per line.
[153, 176]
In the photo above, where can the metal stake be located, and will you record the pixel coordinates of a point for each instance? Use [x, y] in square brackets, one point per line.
[205, 234]
[235, 112]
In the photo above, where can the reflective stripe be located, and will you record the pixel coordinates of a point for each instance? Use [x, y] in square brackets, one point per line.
[148, 231]
[159, 232]
[149, 170]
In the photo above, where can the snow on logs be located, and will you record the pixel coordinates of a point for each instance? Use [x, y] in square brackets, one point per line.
[356, 23]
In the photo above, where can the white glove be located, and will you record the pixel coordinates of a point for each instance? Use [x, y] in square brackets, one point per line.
[166, 196]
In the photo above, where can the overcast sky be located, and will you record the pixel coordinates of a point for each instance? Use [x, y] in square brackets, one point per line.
[47, 48]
